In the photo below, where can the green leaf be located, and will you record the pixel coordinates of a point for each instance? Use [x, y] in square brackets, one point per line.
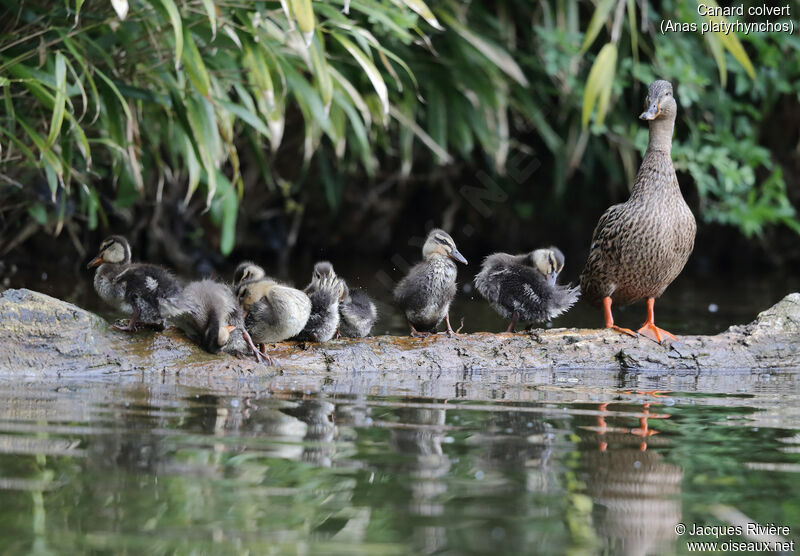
[177, 26]
[59, 104]
[601, 13]
[246, 115]
[491, 51]
[320, 68]
[304, 15]
[39, 213]
[718, 52]
[195, 66]
[211, 10]
[369, 68]
[731, 42]
[599, 84]
[409, 123]
[633, 30]
[422, 9]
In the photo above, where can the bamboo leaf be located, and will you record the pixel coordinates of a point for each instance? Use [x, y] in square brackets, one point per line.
[491, 51]
[211, 10]
[320, 68]
[599, 84]
[369, 68]
[731, 42]
[59, 104]
[422, 9]
[304, 15]
[245, 115]
[409, 123]
[601, 13]
[195, 66]
[633, 29]
[174, 17]
[718, 52]
[354, 95]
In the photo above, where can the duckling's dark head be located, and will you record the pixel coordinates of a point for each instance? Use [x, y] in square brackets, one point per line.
[217, 337]
[439, 243]
[321, 270]
[247, 271]
[660, 102]
[114, 249]
[550, 262]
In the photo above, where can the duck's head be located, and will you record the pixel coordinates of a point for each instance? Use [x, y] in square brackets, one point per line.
[550, 262]
[247, 271]
[440, 243]
[114, 249]
[250, 292]
[660, 102]
[216, 339]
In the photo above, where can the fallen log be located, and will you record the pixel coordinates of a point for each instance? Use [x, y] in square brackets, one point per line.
[43, 336]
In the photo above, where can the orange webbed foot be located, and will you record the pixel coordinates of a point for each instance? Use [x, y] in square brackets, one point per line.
[650, 330]
[621, 330]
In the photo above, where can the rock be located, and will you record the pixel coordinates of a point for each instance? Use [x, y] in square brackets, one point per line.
[44, 336]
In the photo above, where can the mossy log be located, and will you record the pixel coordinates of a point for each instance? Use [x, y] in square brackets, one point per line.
[42, 336]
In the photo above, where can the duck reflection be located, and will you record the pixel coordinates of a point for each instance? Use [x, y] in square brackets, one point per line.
[634, 490]
[418, 436]
[321, 431]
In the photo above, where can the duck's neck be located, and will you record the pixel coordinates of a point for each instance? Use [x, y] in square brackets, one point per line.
[661, 136]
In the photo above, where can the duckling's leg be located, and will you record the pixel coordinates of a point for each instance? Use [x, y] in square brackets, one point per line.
[513, 323]
[260, 357]
[132, 324]
[610, 319]
[416, 333]
[649, 328]
[450, 332]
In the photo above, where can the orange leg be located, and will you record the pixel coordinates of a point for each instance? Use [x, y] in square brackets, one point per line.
[610, 319]
[649, 328]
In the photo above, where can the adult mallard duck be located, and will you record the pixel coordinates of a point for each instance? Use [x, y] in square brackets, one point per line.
[209, 315]
[148, 292]
[273, 312]
[326, 292]
[523, 288]
[640, 246]
[426, 292]
[357, 312]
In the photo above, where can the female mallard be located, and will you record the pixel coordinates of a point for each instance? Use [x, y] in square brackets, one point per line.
[273, 312]
[147, 291]
[210, 316]
[640, 246]
[325, 291]
[426, 292]
[523, 287]
[357, 312]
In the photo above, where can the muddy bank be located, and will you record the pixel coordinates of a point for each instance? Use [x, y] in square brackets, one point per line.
[43, 336]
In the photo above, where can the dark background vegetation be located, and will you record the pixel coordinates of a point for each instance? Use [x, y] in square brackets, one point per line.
[208, 131]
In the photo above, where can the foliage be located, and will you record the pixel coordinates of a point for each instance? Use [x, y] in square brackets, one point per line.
[112, 105]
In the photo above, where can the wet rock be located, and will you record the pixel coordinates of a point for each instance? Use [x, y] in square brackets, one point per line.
[41, 335]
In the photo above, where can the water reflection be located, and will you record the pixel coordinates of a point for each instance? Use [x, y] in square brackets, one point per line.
[512, 463]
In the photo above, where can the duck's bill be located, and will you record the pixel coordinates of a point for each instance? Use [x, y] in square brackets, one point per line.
[230, 328]
[651, 113]
[455, 255]
[95, 262]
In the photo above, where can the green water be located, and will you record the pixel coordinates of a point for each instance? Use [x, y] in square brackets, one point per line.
[396, 463]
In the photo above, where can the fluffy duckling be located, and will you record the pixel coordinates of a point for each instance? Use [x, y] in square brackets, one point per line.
[210, 316]
[273, 312]
[146, 291]
[426, 292]
[247, 271]
[357, 312]
[326, 291]
[523, 287]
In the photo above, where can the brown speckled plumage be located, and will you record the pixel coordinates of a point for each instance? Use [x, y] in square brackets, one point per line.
[640, 246]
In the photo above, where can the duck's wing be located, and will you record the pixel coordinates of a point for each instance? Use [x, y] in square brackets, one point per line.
[411, 291]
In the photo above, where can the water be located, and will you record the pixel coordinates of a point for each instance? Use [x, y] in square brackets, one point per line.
[395, 463]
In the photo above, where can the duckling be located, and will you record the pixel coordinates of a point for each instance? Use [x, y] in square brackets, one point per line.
[426, 292]
[326, 291]
[357, 312]
[209, 314]
[640, 246]
[523, 287]
[147, 291]
[247, 271]
[273, 312]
